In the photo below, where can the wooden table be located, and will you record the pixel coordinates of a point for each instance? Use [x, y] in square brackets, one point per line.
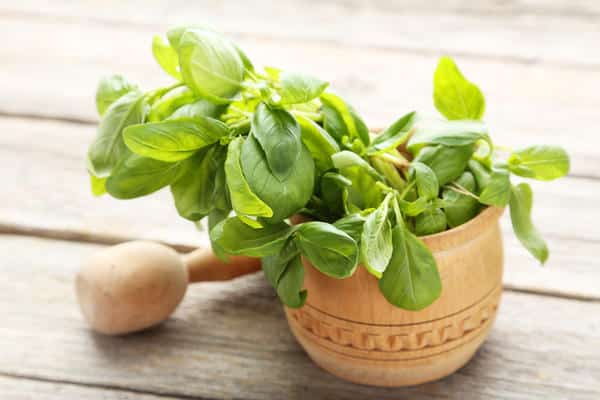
[538, 63]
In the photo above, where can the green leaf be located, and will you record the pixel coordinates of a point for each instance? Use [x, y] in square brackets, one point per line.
[497, 191]
[210, 65]
[341, 120]
[411, 281]
[448, 163]
[363, 193]
[544, 163]
[346, 159]
[285, 197]
[108, 147]
[320, 143]
[236, 237]
[169, 102]
[136, 176]
[460, 208]
[521, 201]
[289, 288]
[352, 224]
[416, 207]
[173, 140]
[329, 249]
[196, 190]
[394, 135]
[110, 89]
[481, 174]
[427, 182]
[454, 96]
[448, 133]
[299, 88]
[98, 185]
[166, 57]
[274, 265]
[430, 221]
[214, 218]
[198, 109]
[376, 240]
[279, 136]
[332, 189]
[243, 199]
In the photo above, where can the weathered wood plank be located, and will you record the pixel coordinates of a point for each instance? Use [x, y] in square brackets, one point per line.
[45, 192]
[15, 388]
[230, 340]
[529, 31]
[526, 103]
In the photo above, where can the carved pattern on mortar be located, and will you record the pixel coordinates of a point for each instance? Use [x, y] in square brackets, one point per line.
[452, 328]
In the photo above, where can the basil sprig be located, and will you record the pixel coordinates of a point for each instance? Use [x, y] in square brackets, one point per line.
[250, 148]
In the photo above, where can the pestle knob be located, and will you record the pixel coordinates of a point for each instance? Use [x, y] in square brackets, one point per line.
[135, 285]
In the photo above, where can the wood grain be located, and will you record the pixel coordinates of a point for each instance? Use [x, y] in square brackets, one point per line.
[230, 340]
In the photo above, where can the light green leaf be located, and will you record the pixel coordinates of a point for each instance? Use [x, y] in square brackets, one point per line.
[329, 249]
[110, 89]
[394, 135]
[169, 102]
[411, 281]
[454, 96]
[320, 143]
[108, 147]
[243, 199]
[98, 185]
[210, 65]
[544, 163]
[430, 221]
[214, 218]
[352, 224]
[136, 176]
[285, 197]
[299, 88]
[166, 57]
[521, 201]
[448, 133]
[448, 163]
[198, 109]
[481, 174]
[427, 182]
[237, 238]
[497, 191]
[173, 140]
[460, 208]
[341, 120]
[279, 136]
[376, 240]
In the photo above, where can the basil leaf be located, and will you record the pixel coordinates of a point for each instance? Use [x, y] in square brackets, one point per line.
[195, 191]
[169, 102]
[214, 218]
[376, 240]
[521, 201]
[363, 193]
[341, 120]
[166, 57]
[497, 191]
[347, 159]
[236, 237]
[411, 281]
[98, 185]
[285, 197]
[299, 88]
[110, 89]
[320, 143]
[210, 65]
[481, 174]
[243, 199]
[430, 221]
[274, 265]
[136, 176]
[332, 188]
[329, 249]
[448, 133]
[279, 136]
[414, 208]
[460, 208]
[289, 288]
[173, 140]
[454, 96]
[394, 135]
[108, 147]
[352, 225]
[448, 163]
[198, 109]
[427, 183]
[544, 163]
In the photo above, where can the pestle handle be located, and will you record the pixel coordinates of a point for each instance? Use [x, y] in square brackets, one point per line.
[203, 266]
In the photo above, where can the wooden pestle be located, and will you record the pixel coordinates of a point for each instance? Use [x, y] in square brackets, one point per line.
[135, 285]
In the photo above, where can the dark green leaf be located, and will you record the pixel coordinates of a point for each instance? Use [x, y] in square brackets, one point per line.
[236, 237]
[544, 163]
[108, 147]
[411, 281]
[274, 265]
[481, 174]
[454, 96]
[341, 120]
[497, 191]
[299, 88]
[352, 224]
[430, 221]
[166, 57]
[394, 135]
[521, 201]
[173, 140]
[329, 249]
[110, 89]
[279, 136]
[460, 208]
[376, 240]
[136, 176]
[289, 288]
[427, 182]
[448, 163]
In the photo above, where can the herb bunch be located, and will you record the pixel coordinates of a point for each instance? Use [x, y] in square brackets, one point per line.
[250, 149]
